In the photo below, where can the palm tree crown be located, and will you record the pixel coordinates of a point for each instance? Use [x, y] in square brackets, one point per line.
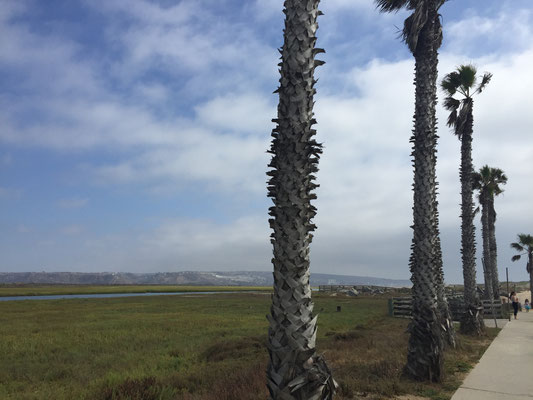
[414, 24]
[488, 180]
[525, 246]
[464, 82]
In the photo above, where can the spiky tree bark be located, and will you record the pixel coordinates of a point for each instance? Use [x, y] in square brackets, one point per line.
[472, 320]
[423, 34]
[445, 316]
[485, 234]
[295, 370]
[461, 119]
[493, 250]
[489, 182]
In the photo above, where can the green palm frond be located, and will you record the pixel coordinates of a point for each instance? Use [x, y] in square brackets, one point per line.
[489, 180]
[451, 83]
[524, 244]
[467, 76]
[526, 240]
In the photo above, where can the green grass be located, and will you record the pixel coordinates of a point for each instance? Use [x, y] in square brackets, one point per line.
[197, 348]
[44, 290]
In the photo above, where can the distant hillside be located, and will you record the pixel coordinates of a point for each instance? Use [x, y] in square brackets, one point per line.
[238, 278]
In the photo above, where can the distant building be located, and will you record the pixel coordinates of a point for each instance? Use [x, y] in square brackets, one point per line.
[332, 281]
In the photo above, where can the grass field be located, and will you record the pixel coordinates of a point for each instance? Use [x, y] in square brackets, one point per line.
[44, 290]
[199, 348]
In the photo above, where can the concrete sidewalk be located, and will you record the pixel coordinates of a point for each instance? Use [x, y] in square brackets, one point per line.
[506, 369]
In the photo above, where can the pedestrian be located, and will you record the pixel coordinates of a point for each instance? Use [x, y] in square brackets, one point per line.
[527, 305]
[514, 300]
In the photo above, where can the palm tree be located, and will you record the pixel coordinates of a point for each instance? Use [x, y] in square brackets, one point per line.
[488, 181]
[525, 246]
[295, 371]
[463, 82]
[422, 33]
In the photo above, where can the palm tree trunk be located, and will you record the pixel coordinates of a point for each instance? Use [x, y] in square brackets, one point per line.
[472, 320]
[530, 270]
[493, 250]
[295, 371]
[485, 231]
[445, 316]
[425, 351]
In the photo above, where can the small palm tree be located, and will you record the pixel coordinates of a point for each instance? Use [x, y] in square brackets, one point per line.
[525, 246]
[295, 371]
[463, 82]
[430, 324]
[489, 181]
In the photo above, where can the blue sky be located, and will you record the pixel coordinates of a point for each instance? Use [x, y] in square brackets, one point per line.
[134, 133]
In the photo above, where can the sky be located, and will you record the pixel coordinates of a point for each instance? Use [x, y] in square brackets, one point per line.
[133, 134]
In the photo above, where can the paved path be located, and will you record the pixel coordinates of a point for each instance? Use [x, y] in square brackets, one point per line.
[505, 372]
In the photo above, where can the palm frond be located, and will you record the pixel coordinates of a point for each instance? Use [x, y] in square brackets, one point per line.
[391, 5]
[450, 83]
[516, 258]
[451, 105]
[484, 82]
[525, 240]
[490, 180]
[467, 76]
[517, 246]
[414, 24]
[462, 118]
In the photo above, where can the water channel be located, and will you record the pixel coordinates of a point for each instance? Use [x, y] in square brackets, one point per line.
[107, 295]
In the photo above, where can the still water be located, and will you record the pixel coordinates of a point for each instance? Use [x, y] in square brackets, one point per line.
[101, 296]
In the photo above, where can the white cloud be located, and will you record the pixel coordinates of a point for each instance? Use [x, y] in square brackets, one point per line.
[244, 113]
[509, 31]
[223, 162]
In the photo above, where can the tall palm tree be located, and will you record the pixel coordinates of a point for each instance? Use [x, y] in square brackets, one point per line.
[295, 370]
[488, 181]
[525, 246]
[422, 33]
[463, 82]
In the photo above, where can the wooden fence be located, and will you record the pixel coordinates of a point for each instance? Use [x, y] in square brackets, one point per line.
[402, 306]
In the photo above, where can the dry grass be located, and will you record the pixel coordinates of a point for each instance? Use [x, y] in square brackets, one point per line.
[368, 363]
[172, 348]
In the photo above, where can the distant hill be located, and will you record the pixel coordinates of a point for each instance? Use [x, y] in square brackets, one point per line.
[238, 278]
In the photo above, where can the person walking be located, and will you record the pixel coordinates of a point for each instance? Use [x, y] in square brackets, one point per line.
[527, 305]
[514, 300]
